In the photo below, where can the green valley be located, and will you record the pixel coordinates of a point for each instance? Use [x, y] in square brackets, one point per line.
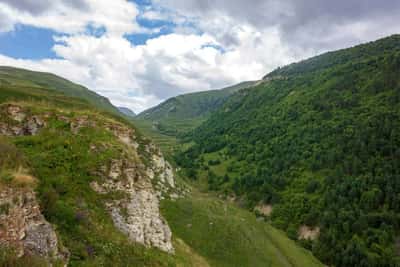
[183, 113]
[193, 133]
[318, 143]
[72, 172]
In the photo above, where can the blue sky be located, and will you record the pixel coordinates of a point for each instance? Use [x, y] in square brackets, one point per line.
[28, 42]
[139, 53]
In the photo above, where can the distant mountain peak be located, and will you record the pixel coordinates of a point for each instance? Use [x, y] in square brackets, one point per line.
[127, 111]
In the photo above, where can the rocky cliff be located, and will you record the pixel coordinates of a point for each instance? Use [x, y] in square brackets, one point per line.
[137, 173]
[24, 228]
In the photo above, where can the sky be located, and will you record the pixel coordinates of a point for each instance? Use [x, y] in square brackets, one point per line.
[139, 53]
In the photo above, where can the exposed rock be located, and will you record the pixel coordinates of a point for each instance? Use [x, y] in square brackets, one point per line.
[22, 125]
[141, 220]
[308, 233]
[115, 169]
[16, 113]
[33, 125]
[24, 228]
[263, 209]
[125, 135]
[140, 179]
[80, 122]
[163, 169]
[137, 215]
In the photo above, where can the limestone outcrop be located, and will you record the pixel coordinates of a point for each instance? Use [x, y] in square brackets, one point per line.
[137, 214]
[24, 228]
[138, 174]
[19, 122]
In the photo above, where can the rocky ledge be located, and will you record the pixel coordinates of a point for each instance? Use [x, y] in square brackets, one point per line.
[23, 227]
[140, 174]
[20, 122]
[137, 214]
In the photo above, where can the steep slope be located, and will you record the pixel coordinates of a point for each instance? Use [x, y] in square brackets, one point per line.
[183, 113]
[18, 79]
[318, 144]
[96, 176]
[77, 185]
[83, 187]
[226, 235]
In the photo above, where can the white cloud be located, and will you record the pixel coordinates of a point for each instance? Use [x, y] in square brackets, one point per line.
[6, 22]
[210, 47]
[117, 17]
[141, 76]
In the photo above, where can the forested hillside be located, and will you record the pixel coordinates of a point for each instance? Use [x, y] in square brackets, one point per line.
[80, 186]
[180, 114]
[319, 143]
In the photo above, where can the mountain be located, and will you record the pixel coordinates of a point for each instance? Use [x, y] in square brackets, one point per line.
[128, 112]
[82, 186]
[183, 113]
[21, 79]
[317, 146]
[75, 180]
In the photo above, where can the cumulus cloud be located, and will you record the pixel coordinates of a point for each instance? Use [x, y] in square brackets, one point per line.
[117, 17]
[214, 43]
[305, 24]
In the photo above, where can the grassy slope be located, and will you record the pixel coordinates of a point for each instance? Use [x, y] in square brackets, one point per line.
[21, 78]
[185, 112]
[64, 165]
[166, 143]
[236, 237]
[229, 236]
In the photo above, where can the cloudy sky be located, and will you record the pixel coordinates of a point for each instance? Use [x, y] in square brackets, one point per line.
[138, 53]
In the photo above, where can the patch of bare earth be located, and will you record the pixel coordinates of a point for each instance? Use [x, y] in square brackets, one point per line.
[263, 209]
[308, 233]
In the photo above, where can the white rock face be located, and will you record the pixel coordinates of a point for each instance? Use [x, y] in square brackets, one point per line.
[163, 169]
[142, 221]
[137, 214]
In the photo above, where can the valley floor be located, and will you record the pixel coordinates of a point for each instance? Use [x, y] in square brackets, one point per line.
[225, 235]
[209, 231]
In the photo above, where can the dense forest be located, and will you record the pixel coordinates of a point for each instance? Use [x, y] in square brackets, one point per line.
[318, 140]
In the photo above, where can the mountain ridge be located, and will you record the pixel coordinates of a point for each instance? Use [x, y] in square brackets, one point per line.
[315, 141]
[24, 77]
[127, 111]
[82, 186]
[182, 113]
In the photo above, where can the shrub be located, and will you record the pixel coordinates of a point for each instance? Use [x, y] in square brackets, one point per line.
[6, 177]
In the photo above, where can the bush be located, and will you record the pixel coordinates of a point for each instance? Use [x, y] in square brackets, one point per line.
[8, 258]
[10, 157]
[212, 162]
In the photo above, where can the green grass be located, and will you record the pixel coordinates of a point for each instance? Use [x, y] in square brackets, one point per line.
[229, 236]
[166, 143]
[319, 140]
[18, 79]
[64, 166]
[181, 114]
